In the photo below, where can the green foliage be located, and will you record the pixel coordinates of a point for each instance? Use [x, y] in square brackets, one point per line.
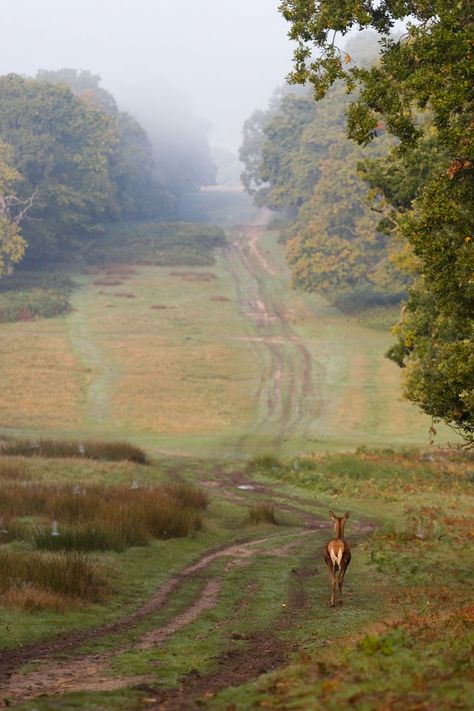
[157, 243]
[27, 295]
[266, 461]
[303, 162]
[138, 192]
[62, 148]
[12, 245]
[421, 92]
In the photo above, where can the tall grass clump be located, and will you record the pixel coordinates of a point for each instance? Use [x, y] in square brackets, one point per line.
[69, 574]
[266, 461]
[12, 469]
[98, 518]
[91, 449]
[263, 513]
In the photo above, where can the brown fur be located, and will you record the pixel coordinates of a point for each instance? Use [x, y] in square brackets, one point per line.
[337, 555]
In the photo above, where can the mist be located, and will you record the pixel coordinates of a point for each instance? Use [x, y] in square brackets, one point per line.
[217, 60]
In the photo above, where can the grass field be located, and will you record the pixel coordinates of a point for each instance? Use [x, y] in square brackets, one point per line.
[215, 360]
[237, 615]
[190, 576]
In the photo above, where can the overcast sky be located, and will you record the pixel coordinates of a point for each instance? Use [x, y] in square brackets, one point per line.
[226, 56]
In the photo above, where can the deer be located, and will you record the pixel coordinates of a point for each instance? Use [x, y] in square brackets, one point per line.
[337, 555]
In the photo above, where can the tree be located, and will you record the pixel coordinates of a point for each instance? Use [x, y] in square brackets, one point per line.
[13, 211]
[62, 147]
[138, 192]
[299, 159]
[426, 73]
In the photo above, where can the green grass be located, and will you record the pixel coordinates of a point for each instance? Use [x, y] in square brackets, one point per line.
[402, 633]
[184, 367]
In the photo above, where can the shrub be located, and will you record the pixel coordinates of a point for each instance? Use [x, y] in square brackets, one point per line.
[28, 295]
[156, 243]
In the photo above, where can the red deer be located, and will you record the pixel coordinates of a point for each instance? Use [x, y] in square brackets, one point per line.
[337, 555]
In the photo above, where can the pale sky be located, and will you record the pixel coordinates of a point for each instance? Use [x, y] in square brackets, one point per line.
[225, 56]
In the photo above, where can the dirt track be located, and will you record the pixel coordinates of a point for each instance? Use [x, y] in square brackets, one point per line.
[285, 395]
[52, 675]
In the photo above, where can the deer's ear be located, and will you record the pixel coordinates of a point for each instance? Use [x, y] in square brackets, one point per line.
[347, 514]
[332, 515]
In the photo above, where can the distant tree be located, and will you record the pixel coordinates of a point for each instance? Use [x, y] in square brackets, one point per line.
[83, 84]
[428, 69]
[62, 147]
[12, 212]
[139, 193]
[303, 162]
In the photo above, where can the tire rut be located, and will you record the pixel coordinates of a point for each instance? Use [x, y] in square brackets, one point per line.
[285, 393]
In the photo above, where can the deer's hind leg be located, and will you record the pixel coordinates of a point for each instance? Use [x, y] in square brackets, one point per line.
[333, 588]
[346, 559]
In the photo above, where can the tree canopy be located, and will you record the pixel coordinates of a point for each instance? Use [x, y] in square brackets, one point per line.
[12, 212]
[86, 163]
[421, 91]
[297, 157]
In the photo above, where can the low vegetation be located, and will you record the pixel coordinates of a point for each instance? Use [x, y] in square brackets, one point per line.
[263, 513]
[97, 518]
[35, 580]
[417, 654]
[156, 243]
[89, 449]
[28, 295]
[47, 530]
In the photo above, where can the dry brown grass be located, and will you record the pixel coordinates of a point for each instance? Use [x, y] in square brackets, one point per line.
[30, 598]
[42, 381]
[64, 574]
[98, 518]
[181, 389]
[114, 451]
[123, 269]
[219, 298]
[11, 468]
[262, 513]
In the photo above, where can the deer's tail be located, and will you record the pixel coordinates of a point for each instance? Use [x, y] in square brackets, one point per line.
[336, 559]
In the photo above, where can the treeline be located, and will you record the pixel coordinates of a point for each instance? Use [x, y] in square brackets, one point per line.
[297, 159]
[419, 92]
[70, 161]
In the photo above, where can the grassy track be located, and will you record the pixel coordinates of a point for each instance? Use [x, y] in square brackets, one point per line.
[238, 614]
